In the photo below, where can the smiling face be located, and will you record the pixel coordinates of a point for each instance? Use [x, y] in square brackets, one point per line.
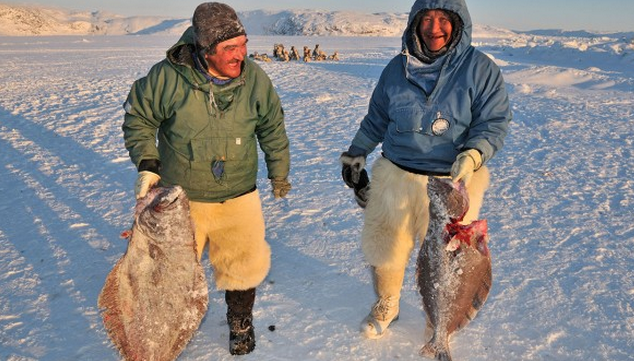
[226, 62]
[435, 29]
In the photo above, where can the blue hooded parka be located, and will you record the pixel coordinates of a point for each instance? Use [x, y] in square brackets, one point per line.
[423, 125]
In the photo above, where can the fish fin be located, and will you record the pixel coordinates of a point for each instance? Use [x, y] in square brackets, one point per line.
[112, 314]
[429, 331]
[479, 298]
[469, 316]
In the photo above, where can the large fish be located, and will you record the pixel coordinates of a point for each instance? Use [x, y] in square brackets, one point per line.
[156, 295]
[453, 267]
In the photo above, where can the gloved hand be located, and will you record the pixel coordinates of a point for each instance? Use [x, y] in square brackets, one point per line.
[361, 189]
[351, 168]
[144, 182]
[466, 163]
[281, 187]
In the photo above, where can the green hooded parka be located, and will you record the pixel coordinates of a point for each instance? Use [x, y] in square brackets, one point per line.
[203, 134]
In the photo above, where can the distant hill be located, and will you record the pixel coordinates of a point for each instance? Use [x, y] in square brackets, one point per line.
[323, 23]
[16, 20]
[30, 20]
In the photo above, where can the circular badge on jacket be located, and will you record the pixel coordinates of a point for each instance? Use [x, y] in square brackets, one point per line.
[440, 126]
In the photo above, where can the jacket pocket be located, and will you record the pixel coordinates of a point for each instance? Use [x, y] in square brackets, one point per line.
[426, 121]
[408, 120]
[227, 149]
[240, 148]
[224, 159]
[207, 150]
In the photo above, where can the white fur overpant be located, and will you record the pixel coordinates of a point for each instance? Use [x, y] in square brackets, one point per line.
[234, 229]
[398, 212]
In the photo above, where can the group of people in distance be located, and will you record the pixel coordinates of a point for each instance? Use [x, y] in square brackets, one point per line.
[281, 54]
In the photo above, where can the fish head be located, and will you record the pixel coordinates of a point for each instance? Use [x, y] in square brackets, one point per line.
[166, 198]
[163, 210]
[448, 197]
[159, 199]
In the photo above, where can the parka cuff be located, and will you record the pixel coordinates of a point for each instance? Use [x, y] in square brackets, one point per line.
[363, 142]
[482, 146]
[150, 165]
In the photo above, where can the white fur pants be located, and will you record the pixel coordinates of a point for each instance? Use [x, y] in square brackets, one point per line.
[398, 212]
[234, 230]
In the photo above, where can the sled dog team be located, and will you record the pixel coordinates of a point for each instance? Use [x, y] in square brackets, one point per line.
[281, 54]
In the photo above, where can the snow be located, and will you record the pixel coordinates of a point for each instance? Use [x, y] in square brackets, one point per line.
[560, 207]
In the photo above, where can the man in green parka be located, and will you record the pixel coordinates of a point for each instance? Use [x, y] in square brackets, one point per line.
[196, 120]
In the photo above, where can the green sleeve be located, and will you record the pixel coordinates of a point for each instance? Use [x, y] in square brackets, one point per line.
[143, 117]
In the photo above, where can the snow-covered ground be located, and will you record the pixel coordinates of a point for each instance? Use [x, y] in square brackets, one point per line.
[560, 207]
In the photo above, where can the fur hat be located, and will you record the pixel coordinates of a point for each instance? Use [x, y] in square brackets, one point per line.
[214, 23]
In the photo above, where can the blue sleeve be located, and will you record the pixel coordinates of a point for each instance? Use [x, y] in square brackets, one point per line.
[374, 125]
[491, 114]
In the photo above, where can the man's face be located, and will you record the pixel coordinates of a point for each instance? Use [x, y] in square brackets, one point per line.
[227, 61]
[435, 29]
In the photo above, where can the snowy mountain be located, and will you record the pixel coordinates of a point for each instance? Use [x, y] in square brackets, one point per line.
[23, 20]
[323, 23]
[37, 20]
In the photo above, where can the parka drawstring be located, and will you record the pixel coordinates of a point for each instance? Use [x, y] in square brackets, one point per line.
[212, 100]
[196, 86]
[212, 103]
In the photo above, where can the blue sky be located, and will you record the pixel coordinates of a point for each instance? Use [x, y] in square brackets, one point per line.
[607, 15]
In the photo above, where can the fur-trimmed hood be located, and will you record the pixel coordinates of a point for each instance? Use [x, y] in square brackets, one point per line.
[458, 7]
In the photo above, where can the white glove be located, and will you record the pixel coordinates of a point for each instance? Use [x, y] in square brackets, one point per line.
[466, 163]
[144, 182]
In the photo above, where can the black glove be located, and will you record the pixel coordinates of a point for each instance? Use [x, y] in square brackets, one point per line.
[355, 176]
[361, 194]
[351, 168]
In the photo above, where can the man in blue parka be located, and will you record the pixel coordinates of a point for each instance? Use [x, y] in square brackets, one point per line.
[440, 108]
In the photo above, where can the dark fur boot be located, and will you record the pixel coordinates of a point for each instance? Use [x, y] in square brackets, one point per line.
[240, 320]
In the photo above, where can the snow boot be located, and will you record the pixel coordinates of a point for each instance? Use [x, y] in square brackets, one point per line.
[383, 313]
[387, 285]
[240, 321]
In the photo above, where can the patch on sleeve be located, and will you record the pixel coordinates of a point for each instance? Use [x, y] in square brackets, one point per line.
[127, 107]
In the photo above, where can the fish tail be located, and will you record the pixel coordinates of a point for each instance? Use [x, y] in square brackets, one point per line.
[430, 350]
[443, 356]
